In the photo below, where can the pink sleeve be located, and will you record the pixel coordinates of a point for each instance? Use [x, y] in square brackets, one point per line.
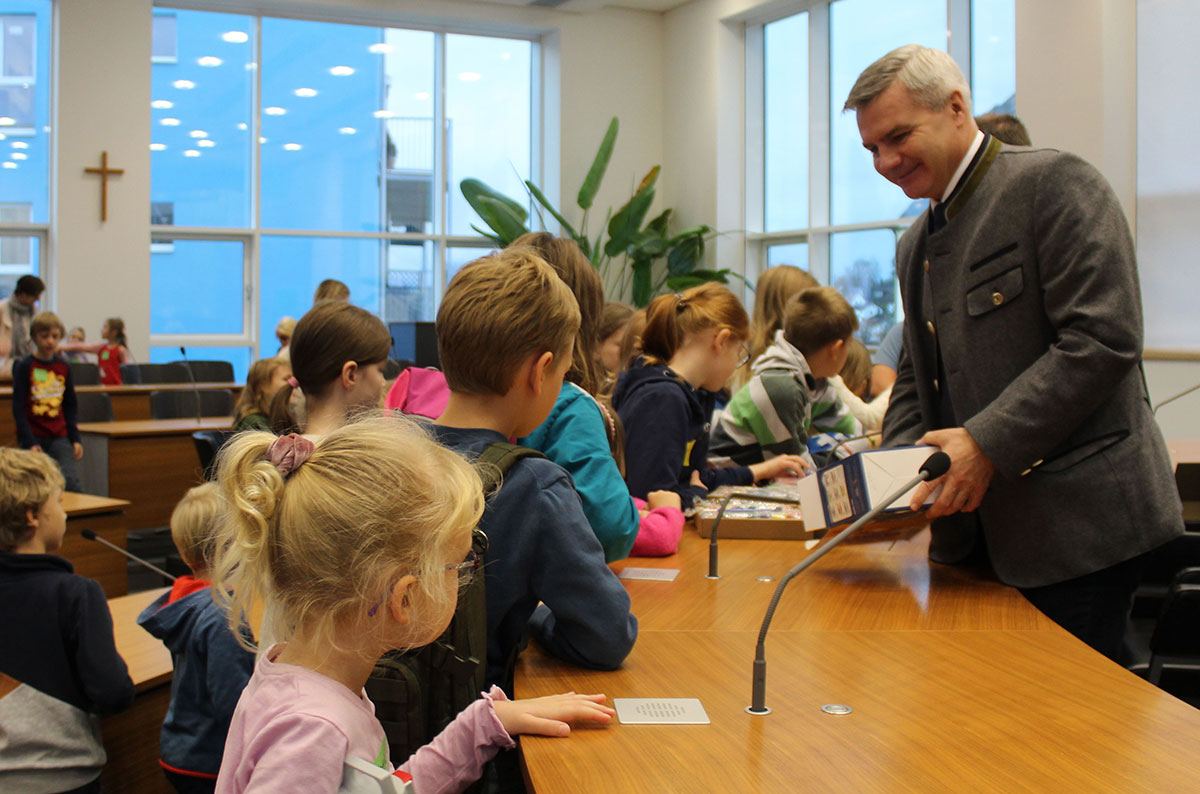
[297, 752]
[455, 757]
[658, 535]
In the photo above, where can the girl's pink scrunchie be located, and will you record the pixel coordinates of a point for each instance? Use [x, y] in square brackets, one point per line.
[288, 453]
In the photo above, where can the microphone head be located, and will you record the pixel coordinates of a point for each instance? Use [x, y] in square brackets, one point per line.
[182, 352]
[87, 533]
[935, 465]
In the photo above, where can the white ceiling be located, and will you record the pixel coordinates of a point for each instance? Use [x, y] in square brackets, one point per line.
[583, 6]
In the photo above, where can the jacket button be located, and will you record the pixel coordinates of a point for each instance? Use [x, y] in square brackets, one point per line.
[926, 265]
[997, 299]
[929, 325]
[935, 384]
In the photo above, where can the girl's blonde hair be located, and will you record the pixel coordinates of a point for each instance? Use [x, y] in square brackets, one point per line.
[856, 372]
[376, 500]
[27, 481]
[775, 286]
[671, 319]
[254, 398]
[194, 524]
[117, 326]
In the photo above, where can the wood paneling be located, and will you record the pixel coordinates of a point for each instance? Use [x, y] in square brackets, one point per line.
[105, 517]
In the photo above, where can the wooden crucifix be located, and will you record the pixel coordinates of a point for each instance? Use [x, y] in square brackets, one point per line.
[104, 171]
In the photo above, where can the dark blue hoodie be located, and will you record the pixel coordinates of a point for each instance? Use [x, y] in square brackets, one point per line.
[666, 434]
[211, 670]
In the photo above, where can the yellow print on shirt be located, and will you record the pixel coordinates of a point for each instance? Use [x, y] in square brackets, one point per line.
[46, 393]
[687, 453]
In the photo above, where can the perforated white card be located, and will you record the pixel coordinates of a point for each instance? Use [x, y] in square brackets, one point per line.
[660, 711]
[650, 574]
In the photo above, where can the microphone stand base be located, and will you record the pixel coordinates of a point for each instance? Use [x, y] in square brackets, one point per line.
[765, 711]
[712, 576]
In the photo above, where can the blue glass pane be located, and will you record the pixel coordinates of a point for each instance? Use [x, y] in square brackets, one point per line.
[292, 267]
[411, 280]
[25, 59]
[862, 266]
[322, 153]
[18, 257]
[238, 356]
[993, 56]
[200, 120]
[862, 31]
[411, 136]
[785, 133]
[795, 254]
[488, 110]
[457, 257]
[196, 287]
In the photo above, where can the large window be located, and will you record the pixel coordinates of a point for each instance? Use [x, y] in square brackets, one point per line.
[814, 198]
[289, 151]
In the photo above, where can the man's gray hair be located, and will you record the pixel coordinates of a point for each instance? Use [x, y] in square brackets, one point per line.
[930, 75]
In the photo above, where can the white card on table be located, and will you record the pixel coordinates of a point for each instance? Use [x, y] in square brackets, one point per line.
[650, 574]
[661, 711]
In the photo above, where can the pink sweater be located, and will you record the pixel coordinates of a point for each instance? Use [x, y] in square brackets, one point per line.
[658, 532]
[294, 727]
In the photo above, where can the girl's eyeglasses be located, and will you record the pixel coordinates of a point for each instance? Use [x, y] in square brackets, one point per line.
[745, 355]
[466, 569]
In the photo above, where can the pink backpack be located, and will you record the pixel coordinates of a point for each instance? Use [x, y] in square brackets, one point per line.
[419, 391]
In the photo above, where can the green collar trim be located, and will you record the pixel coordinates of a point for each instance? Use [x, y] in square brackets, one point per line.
[957, 201]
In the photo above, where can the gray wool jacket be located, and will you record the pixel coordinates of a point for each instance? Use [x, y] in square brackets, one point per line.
[1030, 294]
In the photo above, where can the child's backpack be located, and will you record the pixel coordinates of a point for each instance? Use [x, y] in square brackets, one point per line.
[419, 391]
[417, 693]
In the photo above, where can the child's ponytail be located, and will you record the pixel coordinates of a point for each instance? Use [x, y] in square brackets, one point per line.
[670, 319]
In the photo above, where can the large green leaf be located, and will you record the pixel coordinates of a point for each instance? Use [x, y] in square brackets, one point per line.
[497, 214]
[685, 254]
[691, 231]
[641, 281]
[568, 229]
[595, 174]
[659, 224]
[596, 249]
[628, 221]
[488, 235]
[697, 277]
[649, 243]
[474, 189]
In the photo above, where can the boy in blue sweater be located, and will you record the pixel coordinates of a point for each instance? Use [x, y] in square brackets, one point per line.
[211, 668]
[505, 331]
[59, 666]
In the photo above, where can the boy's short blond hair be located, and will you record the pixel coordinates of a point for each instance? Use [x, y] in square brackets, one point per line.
[44, 321]
[27, 481]
[816, 317]
[194, 524]
[497, 312]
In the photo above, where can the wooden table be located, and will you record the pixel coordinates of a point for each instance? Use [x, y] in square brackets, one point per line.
[131, 737]
[957, 685]
[129, 402]
[150, 462]
[105, 517]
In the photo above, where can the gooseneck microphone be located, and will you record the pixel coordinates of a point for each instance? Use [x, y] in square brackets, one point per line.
[934, 466]
[757, 496]
[90, 535]
[191, 377]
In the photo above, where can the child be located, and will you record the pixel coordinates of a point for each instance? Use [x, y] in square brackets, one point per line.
[852, 385]
[111, 354]
[691, 345]
[505, 330]
[266, 377]
[283, 332]
[775, 285]
[331, 290]
[613, 321]
[772, 413]
[77, 336]
[211, 668]
[338, 353]
[361, 540]
[44, 403]
[58, 641]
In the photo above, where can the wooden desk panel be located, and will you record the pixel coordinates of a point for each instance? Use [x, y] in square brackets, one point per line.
[934, 711]
[861, 586]
[105, 517]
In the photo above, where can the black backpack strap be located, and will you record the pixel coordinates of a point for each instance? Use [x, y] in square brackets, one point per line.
[501, 455]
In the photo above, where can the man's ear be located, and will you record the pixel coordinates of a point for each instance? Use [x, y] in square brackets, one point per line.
[539, 366]
[401, 600]
[957, 104]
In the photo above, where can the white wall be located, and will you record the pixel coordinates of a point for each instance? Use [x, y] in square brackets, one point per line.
[610, 62]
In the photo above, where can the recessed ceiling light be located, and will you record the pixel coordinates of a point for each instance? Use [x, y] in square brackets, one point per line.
[19, 156]
[241, 125]
[505, 56]
[347, 130]
[421, 96]
[157, 147]
[262, 139]
[169, 122]
[251, 66]
[379, 48]
[305, 92]
[198, 134]
[292, 147]
[341, 71]
[469, 77]
[10, 164]
[191, 153]
[7, 121]
[20, 145]
[274, 110]
[183, 85]
[162, 104]
[205, 144]
[236, 37]
[383, 114]
[209, 60]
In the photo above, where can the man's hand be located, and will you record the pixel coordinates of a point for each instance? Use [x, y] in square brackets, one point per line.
[966, 482]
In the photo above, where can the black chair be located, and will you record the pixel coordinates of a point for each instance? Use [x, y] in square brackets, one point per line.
[93, 407]
[84, 373]
[162, 373]
[182, 404]
[1175, 644]
[209, 371]
[131, 373]
[392, 368]
[208, 444]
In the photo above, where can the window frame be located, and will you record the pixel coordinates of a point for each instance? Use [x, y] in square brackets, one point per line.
[252, 237]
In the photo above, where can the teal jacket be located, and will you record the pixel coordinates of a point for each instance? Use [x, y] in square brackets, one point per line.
[573, 436]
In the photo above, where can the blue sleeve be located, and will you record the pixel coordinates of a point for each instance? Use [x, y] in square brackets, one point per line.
[656, 439]
[70, 408]
[20, 402]
[577, 441]
[228, 670]
[732, 475]
[584, 616]
[101, 671]
[888, 353]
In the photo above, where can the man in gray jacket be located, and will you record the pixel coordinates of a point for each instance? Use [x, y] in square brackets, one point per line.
[1022, 338]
